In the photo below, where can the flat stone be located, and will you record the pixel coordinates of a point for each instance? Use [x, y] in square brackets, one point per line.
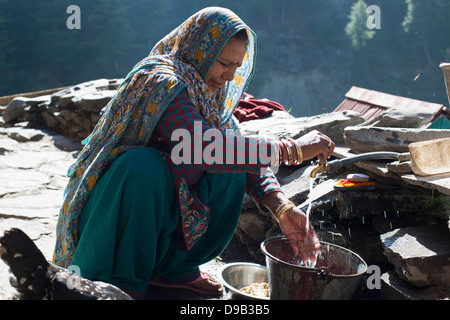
[368, 139]
[411, 117]
[15, 110]
[330, 124]
[395, 288]
[23, 160]
[14, 181]
[439, 182]
[399, 167]
[41, 205]
[96, 101]
[90, 96]
[66, 144]
[420, 255]
[7, 144]
[23, 134]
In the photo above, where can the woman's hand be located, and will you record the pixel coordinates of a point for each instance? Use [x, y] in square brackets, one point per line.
[293, 225]
[317, 144]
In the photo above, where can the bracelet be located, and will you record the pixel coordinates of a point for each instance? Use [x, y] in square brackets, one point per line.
[282, 209]
[275, 155]
[279, 154]
[290, 159]
[299, 151]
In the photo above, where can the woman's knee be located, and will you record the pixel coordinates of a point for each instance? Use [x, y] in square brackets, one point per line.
[144, 165]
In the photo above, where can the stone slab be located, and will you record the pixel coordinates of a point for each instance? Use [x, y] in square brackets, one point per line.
[13, 181]
[395, 288]
[283, 127]
[369, 139]
[420, 255]
[439, 182]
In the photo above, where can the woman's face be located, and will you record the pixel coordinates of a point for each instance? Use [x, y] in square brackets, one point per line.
[224, 67]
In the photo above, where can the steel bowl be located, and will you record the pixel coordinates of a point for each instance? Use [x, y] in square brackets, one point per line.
[235, 276]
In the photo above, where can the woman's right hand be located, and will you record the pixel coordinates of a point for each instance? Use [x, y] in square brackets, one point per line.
[315, 144]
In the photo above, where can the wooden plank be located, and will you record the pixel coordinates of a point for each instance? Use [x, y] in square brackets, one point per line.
[446, 70]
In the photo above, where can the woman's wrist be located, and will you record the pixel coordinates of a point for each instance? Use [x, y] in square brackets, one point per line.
[278, 204]
[290, 152]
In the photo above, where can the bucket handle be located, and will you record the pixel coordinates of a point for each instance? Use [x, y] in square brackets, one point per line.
[323, 272]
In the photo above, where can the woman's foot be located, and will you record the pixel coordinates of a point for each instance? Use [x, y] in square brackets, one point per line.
[204, 284]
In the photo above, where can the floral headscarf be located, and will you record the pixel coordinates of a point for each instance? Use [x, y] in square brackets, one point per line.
[180, 60]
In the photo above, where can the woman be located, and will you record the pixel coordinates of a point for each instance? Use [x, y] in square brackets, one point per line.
[134, 213]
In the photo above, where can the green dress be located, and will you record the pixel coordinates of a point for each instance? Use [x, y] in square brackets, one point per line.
[129, 223]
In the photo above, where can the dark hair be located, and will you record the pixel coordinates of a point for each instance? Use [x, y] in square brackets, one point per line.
[241, 35]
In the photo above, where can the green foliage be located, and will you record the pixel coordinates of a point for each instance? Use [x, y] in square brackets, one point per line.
[295, 37]
[357, 29]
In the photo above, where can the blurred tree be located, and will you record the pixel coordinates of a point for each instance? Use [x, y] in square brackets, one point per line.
[7, 49]
[357, 29]
[296, 38]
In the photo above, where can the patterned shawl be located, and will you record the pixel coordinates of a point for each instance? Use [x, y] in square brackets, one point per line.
[180, 60]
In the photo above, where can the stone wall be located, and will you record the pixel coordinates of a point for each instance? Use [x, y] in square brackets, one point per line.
[73, 111]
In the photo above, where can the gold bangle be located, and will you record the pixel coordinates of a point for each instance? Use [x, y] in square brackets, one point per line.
[282, 209]
[275, 156]
[299, 151]
[290, 159]
[280, 154]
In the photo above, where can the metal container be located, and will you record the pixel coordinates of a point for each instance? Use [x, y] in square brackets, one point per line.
[336, 276]
[235, 276]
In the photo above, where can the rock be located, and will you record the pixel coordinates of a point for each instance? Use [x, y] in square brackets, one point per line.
[399, 167]
[96, 101]
[394, 220]
[440, 183]
[41, 205]
[420, 255]
[368, 139]
[7, 145]
[395, 288]
[66, 144]
[19, 107]
[384, 199]
[15, 110]
[23, 134]
[322, 195]
[253, 228]
[411, 117]
[405, 156]
[430, 157]
[88, 94]
[50, 120]
[330, 124]
[296, 185]
[13, 181]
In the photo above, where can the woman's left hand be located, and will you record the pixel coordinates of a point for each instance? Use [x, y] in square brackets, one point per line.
[293, 225]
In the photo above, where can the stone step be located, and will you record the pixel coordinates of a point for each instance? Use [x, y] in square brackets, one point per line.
[395, 288]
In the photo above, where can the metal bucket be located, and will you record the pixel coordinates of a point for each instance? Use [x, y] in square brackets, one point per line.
[336, 276]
